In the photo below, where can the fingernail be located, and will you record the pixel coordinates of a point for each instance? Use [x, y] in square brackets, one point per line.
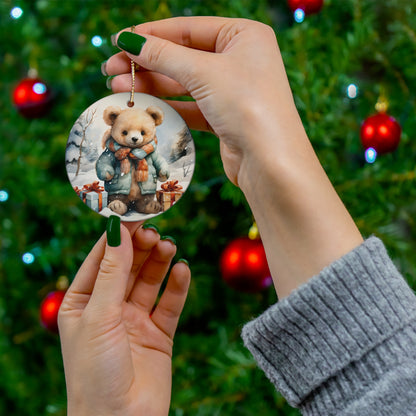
[150, 227]
[131, 42]
[169, 238]
[108, 82]
[114, 39]
[103, 69]
[184, 261]
[113, 231]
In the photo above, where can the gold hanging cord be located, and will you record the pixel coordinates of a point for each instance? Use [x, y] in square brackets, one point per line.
[130, 103]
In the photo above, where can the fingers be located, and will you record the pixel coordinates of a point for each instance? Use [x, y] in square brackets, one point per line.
[179, 63]
[149, 83]
[117, 64]
[192, 115]
[152, 273]
[162, 86]
[160, 55]
[167, 312]
[132, 226]
[113, 274]
[144, 239]
[194, 32]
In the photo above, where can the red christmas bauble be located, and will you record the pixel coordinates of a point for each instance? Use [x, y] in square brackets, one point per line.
[244, 266]
[49, 309]
[32, 98]
[381, 132]
[308, 6]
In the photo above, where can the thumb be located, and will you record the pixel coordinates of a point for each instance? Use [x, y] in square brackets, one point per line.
[110, 286]
[180, 63]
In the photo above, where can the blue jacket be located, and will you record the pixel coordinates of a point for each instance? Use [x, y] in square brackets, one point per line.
[120, 184]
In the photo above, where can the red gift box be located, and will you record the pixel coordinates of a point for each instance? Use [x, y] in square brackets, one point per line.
[169, 194]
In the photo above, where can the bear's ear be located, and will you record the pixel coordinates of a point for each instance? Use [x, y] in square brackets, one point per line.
[110, 114]
[156, 113]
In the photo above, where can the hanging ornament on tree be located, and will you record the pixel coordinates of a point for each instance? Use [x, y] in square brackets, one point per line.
[302, 8]
[32, 97]
[244, 265]
[130, 154]
[50, 305]
[380, 133]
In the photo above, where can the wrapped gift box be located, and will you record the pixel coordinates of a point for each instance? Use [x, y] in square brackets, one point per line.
[97, 201]
[93, 195]
[169, 194]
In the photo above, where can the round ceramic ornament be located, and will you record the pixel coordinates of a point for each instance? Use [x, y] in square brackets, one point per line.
[130, 158]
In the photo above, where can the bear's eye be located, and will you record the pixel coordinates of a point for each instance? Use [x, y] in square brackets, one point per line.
[124, 133]
[143, 132]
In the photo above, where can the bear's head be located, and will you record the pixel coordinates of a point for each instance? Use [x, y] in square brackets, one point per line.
[133, 127]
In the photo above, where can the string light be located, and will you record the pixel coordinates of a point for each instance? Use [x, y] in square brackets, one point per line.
[39, 88]
[370, 155]
[16, 13]
[28, 258]
[352, 91]
[97, 41]
[4, 195]
[299, 15]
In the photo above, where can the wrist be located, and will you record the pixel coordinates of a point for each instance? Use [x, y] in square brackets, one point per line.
[303, 224]
[273, 153]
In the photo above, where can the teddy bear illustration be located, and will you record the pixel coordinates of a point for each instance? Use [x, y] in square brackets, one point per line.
[130, 164]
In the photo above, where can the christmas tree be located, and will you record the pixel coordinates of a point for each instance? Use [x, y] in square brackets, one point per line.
[341, 60]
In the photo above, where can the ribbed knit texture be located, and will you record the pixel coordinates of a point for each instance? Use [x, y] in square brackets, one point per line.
[345, 342]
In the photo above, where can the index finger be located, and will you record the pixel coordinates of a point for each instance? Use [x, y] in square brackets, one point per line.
[197, 32]
[84, 280]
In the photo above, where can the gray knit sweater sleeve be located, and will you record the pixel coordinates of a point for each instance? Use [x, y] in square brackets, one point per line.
[345, 342]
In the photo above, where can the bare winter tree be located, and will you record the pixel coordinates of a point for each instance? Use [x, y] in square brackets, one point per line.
[86, 119]
[181, 145]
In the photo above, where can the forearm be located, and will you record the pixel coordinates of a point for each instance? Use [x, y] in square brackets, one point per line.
[303, 223]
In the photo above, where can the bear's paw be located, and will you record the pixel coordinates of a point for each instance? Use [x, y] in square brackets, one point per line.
[118, 207]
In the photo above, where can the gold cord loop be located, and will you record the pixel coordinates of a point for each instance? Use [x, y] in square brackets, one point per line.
[130, 103]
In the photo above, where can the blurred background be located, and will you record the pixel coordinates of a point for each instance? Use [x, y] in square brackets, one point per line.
[347, 61]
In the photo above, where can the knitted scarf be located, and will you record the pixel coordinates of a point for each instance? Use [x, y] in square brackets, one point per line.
[140, 169]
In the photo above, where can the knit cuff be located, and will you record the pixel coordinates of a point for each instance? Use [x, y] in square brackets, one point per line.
[338, 318]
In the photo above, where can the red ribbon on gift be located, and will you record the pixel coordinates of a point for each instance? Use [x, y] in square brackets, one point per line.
[91, 187]
[171, 186]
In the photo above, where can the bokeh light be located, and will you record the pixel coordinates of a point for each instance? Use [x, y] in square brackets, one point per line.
[16, 12]
[370, 155]
[4, 195]
[28, 258]
[97, 41]
[352, 91]
[299, 15]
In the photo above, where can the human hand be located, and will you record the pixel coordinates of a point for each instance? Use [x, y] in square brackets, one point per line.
[234, 71]
[117, 352]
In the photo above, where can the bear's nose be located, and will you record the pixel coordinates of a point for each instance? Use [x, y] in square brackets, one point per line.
[134, 139]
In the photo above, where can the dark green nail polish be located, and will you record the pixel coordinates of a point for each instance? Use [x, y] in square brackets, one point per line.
[113, 231]
[184, 261]
[131, 42]
[168, 237]
[150, 227]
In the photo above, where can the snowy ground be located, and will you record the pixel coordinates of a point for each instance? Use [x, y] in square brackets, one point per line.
[181, 170]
